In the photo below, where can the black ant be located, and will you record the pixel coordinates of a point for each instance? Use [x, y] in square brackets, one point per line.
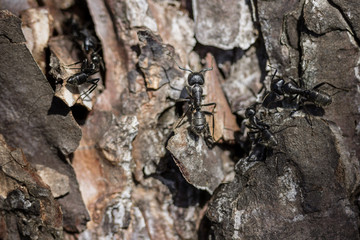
[195, 96]
[87, 69]
[258, 153]
[263, 139]
[89, 41]
[265, 136]
[279, 88]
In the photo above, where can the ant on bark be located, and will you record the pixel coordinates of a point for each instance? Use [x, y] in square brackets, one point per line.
[263, 140]
[265, 135]
[311, 101]
[280, 88]
[83, 35]
[262, 137]
[198, 122]
[88, 68]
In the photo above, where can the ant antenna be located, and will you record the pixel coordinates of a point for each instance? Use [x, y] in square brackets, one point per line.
[184, 69]
[273, 76]
[97, 51]
[208, 69]
[189, 70]
[272, 67]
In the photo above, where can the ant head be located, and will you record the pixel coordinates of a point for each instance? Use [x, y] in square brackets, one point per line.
[95, 58]
[277, 85]
[71, 80]
[89, 41]
[196, 78]
[250, 112]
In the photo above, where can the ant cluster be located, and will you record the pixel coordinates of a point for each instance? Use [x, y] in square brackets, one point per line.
[281, 94]
[194, 90]
[92, 62]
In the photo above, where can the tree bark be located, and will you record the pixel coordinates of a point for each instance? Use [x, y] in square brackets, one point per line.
[123, 162]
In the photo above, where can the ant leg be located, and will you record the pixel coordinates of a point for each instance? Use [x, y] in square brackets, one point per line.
[323, 83]
[308, 120]
[76, 63]
[94, 83]
[208, 113]
[182, 100]
[210, 104]
[73, 68]
[181, 119]
[308, 117]
[188, 90]
[331, 85]
[97, 51]
[209, 140]
[188, 99]
[293, 112]
[286, 127]
[293, 98]
[266, 92]
[307, 114]
[269, 98]
[102, 64]
[252, 135]
[213, 118]
[259, 124]
[251, 127]
[299, 85]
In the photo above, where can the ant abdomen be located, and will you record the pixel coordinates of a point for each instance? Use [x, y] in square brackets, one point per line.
[318, 98]
[198, 122]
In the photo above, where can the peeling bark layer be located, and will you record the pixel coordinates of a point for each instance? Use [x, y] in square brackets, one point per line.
[36, 121]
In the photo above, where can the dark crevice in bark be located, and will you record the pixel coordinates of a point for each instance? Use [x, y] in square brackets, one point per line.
[356, 38]
[300, 29]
